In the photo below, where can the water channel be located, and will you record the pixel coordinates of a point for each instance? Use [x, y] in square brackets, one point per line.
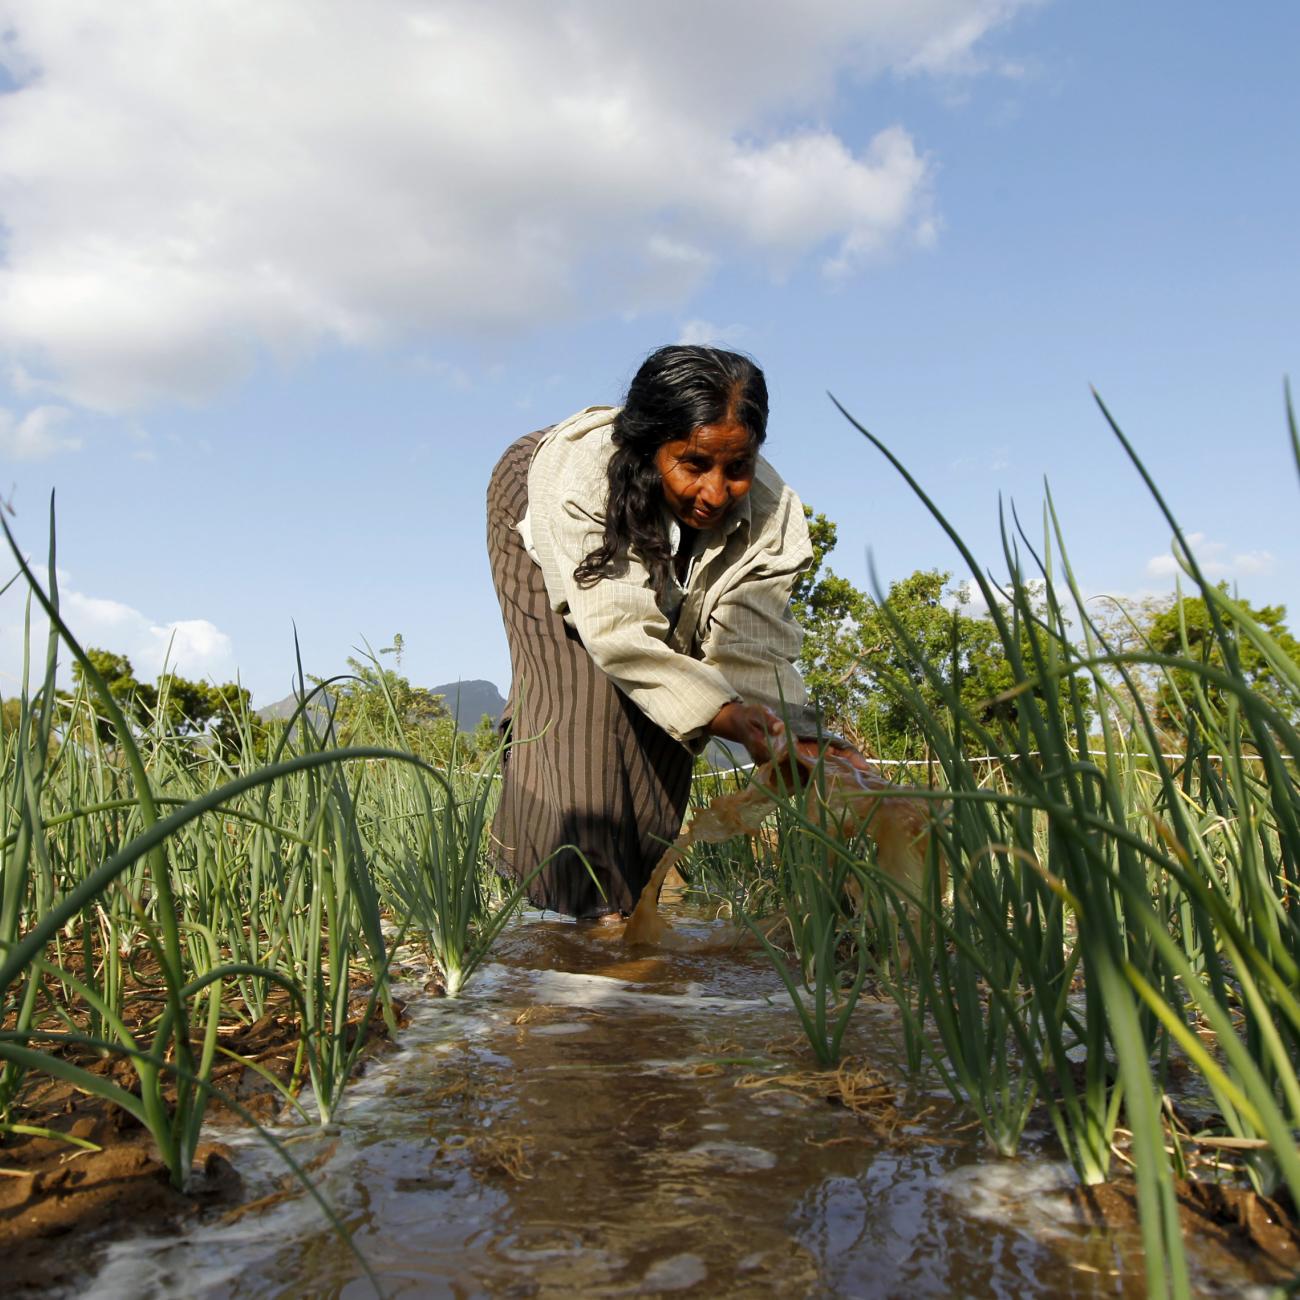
[586, 1121]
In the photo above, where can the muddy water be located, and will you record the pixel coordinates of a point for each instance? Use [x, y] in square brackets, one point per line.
[589, 1121]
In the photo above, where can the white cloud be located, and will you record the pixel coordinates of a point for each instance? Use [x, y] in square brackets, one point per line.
[1163, 566]
[1249, 563]
[706, 332]
[1216, 560]
[198, 648]
[35, 435]
[952, 47]
[192, 647]
[995, 459]
[188, 186]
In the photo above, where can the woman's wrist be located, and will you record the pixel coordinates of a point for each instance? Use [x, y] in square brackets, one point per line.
[723, 722]
[751, 725]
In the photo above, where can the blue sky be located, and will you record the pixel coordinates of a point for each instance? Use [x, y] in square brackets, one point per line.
[280, 282]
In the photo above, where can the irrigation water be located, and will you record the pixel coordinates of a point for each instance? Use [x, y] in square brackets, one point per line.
[590, 1119]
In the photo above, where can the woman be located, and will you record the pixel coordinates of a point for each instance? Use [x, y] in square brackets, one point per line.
[644, 558]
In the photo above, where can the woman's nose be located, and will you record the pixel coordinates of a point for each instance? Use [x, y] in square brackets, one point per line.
[713, 491]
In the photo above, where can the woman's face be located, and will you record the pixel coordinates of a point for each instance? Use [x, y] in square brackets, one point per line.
[706, 474]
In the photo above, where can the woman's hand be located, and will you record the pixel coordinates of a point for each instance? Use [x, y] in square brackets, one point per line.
[753, 725]
[842, 752]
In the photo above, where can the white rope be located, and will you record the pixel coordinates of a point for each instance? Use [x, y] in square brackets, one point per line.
[976, 758]
[1034, 753]
[933, 762]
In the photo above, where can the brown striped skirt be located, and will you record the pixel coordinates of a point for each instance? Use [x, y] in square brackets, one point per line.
[587, 769]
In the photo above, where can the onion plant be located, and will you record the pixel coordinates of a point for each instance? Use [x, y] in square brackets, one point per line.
[431, 855]
[1109, 902]
[142, 870]
[814, 878]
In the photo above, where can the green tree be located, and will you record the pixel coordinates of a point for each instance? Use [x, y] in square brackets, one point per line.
[1186, 628]
[486, 737]
[473, 748]
[925, 626]
[133, 697]
[364, 711]
[865, 665]
[182, 707]
[173, 705]
[829, 609]
[230, 716]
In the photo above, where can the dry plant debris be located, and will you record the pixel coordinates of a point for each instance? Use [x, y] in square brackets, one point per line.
[543, 1013]
[491, 1153]
[852, 1084]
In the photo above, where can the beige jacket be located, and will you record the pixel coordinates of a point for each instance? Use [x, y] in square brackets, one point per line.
[730, 634]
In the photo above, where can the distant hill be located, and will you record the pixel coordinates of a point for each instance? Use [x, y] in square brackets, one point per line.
[284, 708]
[467, 702]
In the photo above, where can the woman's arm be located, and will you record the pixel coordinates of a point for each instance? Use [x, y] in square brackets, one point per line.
[624, 630]
[750, 634]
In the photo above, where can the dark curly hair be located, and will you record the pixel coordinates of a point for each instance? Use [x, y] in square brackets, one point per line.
[676, 390]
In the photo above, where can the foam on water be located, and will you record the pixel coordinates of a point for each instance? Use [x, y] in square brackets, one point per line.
[730, 1155]
[1002, 1191]
[599, 993]
[675, 1274]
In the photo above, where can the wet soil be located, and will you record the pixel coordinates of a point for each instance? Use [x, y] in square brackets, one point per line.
[62, 1200]
[1261, 1233]
[57, 1203]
